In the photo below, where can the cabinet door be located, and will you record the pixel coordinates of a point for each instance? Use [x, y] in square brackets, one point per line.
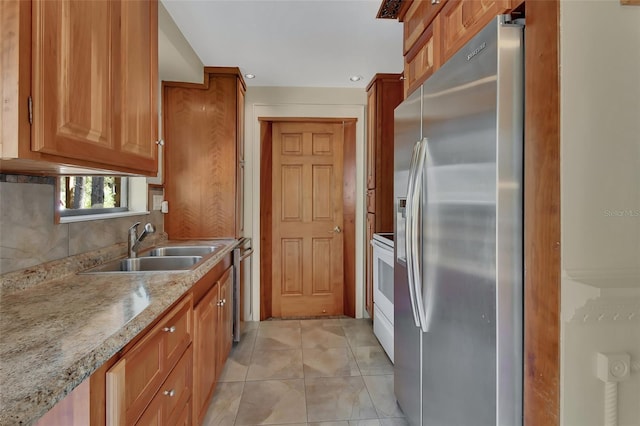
[371, 137]
[462, 19]
[135, 56]
[95, 82]
[424, 59]
[72, 81]
[371, 226]
[200, 177]
[225, 318]
[204, 352]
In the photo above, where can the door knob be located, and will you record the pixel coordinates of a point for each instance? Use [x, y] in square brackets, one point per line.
[337, 229]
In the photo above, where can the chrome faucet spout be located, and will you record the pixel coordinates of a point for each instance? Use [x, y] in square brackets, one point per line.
[134, 240]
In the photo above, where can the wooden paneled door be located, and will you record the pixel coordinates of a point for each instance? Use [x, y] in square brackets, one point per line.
[308, 219]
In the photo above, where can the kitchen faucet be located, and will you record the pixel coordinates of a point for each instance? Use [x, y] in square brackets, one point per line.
[135, 239]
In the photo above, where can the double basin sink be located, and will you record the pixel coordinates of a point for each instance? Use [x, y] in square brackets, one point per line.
[160, 259]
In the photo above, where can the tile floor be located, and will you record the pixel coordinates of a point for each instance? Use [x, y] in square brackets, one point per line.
[321, 372]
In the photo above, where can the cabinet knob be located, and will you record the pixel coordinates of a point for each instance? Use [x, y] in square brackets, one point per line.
[337, 229]
[169, 329]
[170, 392]
[160, 142]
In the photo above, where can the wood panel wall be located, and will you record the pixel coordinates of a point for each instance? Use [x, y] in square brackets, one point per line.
[349, 213]
[266, 235]
[542, 215]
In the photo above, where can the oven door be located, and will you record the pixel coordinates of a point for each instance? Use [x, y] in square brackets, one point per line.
[383, 279]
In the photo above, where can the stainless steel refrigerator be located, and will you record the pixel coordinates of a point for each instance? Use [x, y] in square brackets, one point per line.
[458, 307]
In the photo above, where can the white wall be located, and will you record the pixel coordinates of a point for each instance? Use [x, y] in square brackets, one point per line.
[299, 102]
[600, 194]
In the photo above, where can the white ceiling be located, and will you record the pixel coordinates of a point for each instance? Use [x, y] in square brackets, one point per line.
[301, 43]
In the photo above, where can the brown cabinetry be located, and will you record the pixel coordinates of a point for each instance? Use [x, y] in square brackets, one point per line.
[212, 339]
[91, 101]
[204, 163]
[462, 19]
[435, 31]
[171, 405]
[204, 354]
[384, 93]
[136, 379]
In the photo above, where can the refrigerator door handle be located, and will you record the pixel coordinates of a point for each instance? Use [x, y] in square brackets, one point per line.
[408, 227]
[414, 212]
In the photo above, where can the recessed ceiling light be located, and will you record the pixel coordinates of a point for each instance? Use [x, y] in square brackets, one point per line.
[250, 76]
[355, 78]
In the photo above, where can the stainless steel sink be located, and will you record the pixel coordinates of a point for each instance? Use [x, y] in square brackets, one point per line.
[147, 264]
[182, 251]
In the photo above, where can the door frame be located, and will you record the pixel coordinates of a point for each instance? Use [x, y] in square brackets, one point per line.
[349, 209]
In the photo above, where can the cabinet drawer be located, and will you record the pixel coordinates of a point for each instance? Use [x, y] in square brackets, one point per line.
[136, 377]
[177, 328]
[424, 59]
[168, 405]
[462, 19]
[417, 19]
[371, 201]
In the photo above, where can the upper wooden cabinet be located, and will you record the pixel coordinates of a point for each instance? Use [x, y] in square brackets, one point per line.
[91, 101]
[435, 30]
[204, 167]
[462, 19]
[384, 95]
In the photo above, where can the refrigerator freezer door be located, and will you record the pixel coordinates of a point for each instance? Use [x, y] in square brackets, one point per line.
[471, 356]
[407, 337]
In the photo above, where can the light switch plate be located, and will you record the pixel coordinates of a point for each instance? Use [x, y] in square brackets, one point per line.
[157, 202]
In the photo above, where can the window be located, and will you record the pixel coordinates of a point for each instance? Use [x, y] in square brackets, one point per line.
[84, 195]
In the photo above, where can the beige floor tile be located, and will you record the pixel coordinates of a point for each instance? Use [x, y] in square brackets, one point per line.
[272, 402]
[279, 324]
[329, 362]
[372, 360]
[402, 421]
[338, 398]
[353, 322]
[237, 365]
[281, 364]
[370, 422]
[272, 339]
[323, 337]
[360, 336]
[224, 405]
[381, 391]
[330, 322]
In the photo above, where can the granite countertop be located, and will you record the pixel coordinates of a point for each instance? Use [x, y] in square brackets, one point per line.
[55, 334]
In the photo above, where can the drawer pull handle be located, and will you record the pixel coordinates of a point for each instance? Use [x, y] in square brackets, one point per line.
[170, 392]
[169, 329]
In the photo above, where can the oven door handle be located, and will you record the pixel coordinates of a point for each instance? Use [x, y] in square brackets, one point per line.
[246, 253]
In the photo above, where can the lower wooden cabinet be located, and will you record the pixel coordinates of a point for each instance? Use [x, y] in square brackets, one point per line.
[224, 333]
[205, 345]
[171, 405]
[136, 378]
[212, 341]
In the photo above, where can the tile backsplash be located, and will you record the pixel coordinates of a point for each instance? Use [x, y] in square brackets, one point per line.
[29, 236]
